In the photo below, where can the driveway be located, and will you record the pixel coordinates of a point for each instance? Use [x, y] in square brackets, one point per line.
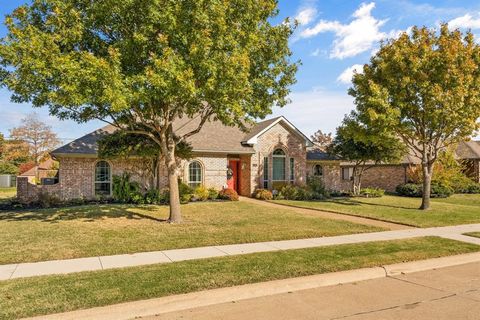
[448, 293]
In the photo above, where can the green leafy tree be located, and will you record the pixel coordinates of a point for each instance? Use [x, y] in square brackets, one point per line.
[425, 87]
[364, 146]
[121, 144]
[143, 64]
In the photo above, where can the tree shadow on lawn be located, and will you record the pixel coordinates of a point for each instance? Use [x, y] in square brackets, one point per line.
[353, 202]
[87, 213]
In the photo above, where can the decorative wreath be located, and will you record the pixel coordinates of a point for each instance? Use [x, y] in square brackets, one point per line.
[229, 173]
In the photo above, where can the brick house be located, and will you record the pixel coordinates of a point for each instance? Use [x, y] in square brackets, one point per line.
[270, 154]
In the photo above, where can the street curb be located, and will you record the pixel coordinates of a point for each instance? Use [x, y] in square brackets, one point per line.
[151, 307]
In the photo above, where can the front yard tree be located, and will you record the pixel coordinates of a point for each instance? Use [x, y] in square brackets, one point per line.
[142, 64]
[321, 140]
[364, 146]
[426, 88]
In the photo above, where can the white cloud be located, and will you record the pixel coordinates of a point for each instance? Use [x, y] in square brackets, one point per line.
[466, 21]
[319, 52]
[347, 75]
[351, 39]
[316, 109]
[306, 15]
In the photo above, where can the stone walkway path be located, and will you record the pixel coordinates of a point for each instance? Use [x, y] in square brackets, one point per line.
[331, 215]
[22, 270]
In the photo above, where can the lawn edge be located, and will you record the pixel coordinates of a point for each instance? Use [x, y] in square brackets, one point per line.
[155, 306]
[346, 214]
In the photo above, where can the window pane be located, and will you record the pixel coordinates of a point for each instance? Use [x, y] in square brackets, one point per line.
[292, 169]
[278, 168]
[194, 174]
[318, 170]
[102, 189]
[265, 173]
[102, 178]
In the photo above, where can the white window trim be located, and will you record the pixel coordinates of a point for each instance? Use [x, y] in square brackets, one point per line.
[202, 174]
[110, 179]
[350, 173]
[284, 157]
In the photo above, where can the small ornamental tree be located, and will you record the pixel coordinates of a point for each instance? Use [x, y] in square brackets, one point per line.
[140, 65]
[364, 146]
[321, 140]
[425, 87]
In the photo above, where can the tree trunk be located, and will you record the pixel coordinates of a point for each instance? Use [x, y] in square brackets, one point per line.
[175, 212]
[427, 185]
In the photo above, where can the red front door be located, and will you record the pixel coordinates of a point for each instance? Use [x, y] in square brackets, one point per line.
[233, 175]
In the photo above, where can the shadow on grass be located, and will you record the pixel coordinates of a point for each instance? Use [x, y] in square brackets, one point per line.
[353, 202]
[87, 213]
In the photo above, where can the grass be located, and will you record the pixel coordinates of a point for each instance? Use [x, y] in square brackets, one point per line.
[473, 234]
[458, 209]
[93, 230]
[60, 293]
[7, 193]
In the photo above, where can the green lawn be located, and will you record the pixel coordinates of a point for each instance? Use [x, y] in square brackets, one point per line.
[117, 229]
[7, 193]
[473, 234]
[53, 294]
[458, 209]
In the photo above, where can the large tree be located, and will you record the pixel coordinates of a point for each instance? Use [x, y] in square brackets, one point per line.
[142, 64]
[425, 87]
[364, 146]
[37, 135]
[321, 140]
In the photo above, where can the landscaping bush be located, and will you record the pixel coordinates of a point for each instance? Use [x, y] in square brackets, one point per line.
[416, 190]
[126, 191]
[201, 193]
[289, 192]
[304, 194]
[185, 192]
[472, 188]
[441, 191]
[228, 194]
[155, 196]
[263, 194]
[212, 194]
[317, 187]
[409, 190]
[46, 200]
[372, 192]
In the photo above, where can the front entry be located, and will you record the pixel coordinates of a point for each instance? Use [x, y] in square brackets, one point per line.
[233, 175]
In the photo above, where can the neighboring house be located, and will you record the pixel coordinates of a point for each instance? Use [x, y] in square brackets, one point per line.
[46, 169]
[270, 154]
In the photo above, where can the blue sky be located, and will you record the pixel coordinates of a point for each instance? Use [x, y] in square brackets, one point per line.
[334, 38]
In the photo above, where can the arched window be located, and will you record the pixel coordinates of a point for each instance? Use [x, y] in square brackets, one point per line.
[194, 174]
[278, 165]
[103, 178]
[318, 170]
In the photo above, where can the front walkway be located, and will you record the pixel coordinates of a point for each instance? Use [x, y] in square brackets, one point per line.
[333, 215]
[23, 270]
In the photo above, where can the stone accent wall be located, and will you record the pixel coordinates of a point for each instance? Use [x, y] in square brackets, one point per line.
[279, 137]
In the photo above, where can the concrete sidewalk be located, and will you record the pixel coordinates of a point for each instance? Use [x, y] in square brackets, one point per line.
[22, 270]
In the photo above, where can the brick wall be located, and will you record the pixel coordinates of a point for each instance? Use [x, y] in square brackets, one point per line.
[278, 137]
[28, 192]
[214, 168]
[386, 177]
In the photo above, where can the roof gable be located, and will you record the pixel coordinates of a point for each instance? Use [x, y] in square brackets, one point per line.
[264, 126]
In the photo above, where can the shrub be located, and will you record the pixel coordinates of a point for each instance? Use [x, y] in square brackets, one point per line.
[263, 194]
[155, 196]
[201, 193]
[186, 198]
[278, 185]
[212, 194]
[409, 190]
[228, 194]
[184, 188]
[126, 191]
[472, 188]
[46, 200]
[441, 191]
[438, 190]
[8, 168]
[289, 192]
[304, 194]
[316, 185]
[372, 192]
